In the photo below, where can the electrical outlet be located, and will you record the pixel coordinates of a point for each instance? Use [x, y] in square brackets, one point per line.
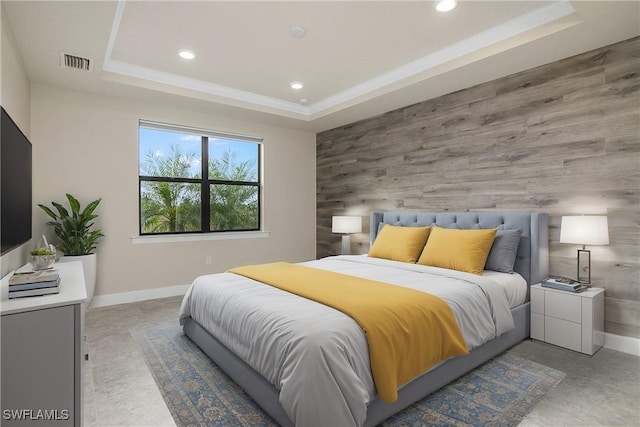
[208, 259]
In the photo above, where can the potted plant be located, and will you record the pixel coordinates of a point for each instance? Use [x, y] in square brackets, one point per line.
[42, 258]
[77, 236]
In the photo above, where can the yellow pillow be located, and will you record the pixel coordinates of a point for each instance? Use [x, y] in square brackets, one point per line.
[462, 250]
[399, 243]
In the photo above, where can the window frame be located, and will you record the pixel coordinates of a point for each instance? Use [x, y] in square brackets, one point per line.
[204, 182]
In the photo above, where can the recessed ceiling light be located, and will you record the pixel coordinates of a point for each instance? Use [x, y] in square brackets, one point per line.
[296, 85]
[445, 5]
[186, 54]
[297, 32]
[304, 101]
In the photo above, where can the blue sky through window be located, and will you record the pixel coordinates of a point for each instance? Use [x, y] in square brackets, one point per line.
[160, 142]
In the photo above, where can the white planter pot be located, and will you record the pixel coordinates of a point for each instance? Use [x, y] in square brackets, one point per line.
[89, 264]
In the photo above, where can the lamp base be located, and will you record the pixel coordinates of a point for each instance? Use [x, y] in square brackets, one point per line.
[584, 266]
[346, 244]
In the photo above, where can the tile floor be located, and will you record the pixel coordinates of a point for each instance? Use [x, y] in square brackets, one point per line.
[603, 390]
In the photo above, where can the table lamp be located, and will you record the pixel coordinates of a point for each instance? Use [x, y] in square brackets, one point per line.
[346, 225]
[584, 230]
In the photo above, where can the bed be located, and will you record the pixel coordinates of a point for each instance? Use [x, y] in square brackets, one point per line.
[257, 372]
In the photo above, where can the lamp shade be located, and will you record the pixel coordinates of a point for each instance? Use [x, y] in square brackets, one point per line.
[584, 230]
[346, 224]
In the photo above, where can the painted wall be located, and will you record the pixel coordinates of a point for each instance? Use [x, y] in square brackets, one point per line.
[563, 138]
[87, 145]
[15, 97]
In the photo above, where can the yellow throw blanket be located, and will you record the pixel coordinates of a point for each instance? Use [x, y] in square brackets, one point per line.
[408, 331]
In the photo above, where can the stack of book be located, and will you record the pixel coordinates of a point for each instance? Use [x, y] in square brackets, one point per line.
[34, 283]
[564, 284]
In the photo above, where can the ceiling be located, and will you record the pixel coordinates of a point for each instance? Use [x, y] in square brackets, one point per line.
[357, 59]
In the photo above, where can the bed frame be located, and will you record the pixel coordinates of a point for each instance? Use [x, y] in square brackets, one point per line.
[531, 263]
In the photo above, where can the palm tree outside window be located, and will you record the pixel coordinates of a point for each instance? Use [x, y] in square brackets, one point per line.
[197, 181]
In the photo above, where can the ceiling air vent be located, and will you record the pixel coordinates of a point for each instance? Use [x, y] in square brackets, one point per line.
[75, 62]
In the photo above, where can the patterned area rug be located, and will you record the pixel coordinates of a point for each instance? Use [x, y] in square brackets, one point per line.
[499, 393]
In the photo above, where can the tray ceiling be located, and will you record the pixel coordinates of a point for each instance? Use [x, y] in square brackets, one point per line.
[356, 58]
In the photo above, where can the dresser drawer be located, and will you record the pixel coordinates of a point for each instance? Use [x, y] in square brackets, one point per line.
[563, 333]
[563, 305]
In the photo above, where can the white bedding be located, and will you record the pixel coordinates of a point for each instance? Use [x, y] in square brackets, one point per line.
[513, 285]
[324, 377]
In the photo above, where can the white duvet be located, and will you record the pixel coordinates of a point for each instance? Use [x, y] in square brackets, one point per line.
[316, 356]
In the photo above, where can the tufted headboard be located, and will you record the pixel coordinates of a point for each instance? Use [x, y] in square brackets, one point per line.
[532, 261]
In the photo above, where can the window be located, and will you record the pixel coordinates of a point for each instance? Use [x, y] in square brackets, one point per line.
[197, 181]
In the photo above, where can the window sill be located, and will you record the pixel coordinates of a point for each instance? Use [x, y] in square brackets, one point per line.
[137, 240]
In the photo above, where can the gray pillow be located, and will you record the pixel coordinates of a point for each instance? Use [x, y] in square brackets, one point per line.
[503, 253]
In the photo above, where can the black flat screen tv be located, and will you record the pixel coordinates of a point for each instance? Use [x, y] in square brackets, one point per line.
[15, 185]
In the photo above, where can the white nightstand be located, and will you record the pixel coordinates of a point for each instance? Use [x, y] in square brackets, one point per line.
[570, 320]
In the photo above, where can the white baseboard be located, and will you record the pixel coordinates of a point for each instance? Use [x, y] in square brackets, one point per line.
[135, 296]
[621, 343]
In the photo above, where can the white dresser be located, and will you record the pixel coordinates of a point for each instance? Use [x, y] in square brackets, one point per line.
[570, 320]
[42, 349]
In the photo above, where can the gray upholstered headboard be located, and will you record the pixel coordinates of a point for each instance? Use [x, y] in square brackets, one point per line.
[532, 261]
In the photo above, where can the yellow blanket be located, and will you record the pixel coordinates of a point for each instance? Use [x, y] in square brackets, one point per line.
[408, 331]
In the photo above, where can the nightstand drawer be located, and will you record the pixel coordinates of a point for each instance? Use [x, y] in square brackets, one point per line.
[537, 326]
[563, 333]
[537, 300]
[563, 306]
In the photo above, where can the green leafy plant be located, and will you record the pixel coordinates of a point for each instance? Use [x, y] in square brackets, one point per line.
[42, 251]
[74, 230]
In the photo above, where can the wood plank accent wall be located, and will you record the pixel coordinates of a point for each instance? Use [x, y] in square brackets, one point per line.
[563, 138]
